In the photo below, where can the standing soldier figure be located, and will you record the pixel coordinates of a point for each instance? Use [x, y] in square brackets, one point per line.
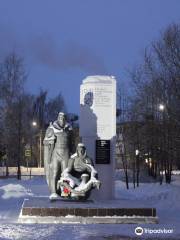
[57, 150]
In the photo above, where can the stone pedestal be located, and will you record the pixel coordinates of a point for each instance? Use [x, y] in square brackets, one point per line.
[98, 128]
[41, 210]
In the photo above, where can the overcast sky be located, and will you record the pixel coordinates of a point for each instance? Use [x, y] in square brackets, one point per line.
[62, 42]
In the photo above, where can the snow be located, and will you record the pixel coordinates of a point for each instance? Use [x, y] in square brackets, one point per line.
[176, 172]
[165, 198]
[14, 191]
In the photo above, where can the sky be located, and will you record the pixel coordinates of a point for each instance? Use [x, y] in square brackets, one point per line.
[63, 41]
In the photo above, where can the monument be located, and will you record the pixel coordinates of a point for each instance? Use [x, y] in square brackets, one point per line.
[80, 177]
[98, 128]
[72, 177]
[57, 150]
[68, 176]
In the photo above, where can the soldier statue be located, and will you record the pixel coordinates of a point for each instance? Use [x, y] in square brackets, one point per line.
[80, 176]
[57, 150]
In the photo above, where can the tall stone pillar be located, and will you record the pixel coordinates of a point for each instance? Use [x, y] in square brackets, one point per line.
[98, 128]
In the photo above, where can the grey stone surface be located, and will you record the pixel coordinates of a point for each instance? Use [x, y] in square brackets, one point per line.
[41, 210]
[57, 150]
[98, 109]
[68, 177]
[80, 177]
[88, 220]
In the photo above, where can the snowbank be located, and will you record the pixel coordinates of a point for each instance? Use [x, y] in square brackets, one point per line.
[165, 198]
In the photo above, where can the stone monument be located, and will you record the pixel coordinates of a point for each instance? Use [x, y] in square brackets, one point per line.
[98, 128]
[57, 150]
[70, 177]
[80, 177]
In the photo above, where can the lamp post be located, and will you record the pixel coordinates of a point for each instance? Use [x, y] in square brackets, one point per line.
[40, 148]
[35, 125]
[137, 152]
[161, 108]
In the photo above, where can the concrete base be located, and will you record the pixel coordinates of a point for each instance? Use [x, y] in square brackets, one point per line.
[41, 210]
[87, 220]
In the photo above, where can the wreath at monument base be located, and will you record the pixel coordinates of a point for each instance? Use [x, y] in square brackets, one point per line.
[73, 191]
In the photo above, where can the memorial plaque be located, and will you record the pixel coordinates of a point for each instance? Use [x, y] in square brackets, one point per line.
[102, 151]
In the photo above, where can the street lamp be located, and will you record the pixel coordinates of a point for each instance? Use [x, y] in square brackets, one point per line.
[136, 167]
[34, 124]
[161, 107]
[137, 152]
[163, 129]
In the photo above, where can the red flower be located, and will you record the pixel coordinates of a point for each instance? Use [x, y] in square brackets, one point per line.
[66, 190]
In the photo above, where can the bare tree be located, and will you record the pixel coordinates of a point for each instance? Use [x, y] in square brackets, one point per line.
[53, 107]
[44, 112]
[12, 78]
[120, 142]
[157, 83]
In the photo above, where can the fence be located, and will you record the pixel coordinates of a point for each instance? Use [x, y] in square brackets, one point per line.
[12, 171]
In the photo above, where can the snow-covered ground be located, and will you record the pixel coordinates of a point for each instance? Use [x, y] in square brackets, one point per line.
[165, 198]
